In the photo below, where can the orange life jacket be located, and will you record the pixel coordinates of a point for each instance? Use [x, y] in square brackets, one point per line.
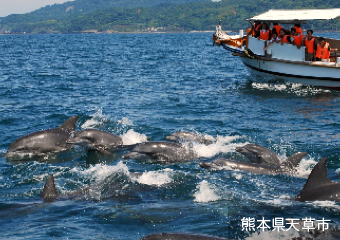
[310, 44]
[284, 38]
[258, 27]
[297, 40]
[264, 34]
[322, 52]
[277, 28]
[255, 29]
[299, 31]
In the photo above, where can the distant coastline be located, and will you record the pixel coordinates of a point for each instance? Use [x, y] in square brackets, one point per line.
[131, 32]
[137, 32]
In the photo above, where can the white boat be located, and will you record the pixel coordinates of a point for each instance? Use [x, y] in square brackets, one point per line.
[286, 61]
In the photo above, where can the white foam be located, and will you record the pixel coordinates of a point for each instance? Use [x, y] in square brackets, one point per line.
[329, 204]
[238, 176]
[101, 171]
[267, 86]
[157, 178]
[296, 88]
[209, 137]
[337, 171]
[131, 137]
[97, 119]
[222, 144]
[304, 169]
[125, 121]
[205, 193]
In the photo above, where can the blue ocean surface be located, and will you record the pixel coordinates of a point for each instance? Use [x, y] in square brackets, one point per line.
[138, 85]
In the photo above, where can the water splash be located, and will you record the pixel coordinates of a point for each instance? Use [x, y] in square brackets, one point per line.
[99, 172]
[157, 178]
[125, 121]
[222, 144]
[304, 169]
[131, 137]
[205, 193]
[97, 119]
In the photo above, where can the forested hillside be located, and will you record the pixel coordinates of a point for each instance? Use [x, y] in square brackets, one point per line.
[147, 15]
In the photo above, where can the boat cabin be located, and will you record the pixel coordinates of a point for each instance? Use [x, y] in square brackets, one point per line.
[288, 18]
[282, 51]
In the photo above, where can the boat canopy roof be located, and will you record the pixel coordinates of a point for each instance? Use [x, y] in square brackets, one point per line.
[297, 15]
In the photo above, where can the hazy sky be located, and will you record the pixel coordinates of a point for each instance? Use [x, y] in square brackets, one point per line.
[8, 7]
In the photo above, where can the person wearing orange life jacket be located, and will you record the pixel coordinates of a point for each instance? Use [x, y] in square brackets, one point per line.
[299, 31]
[323, 50]
[277, 27]
[285, 38]
[255, 28]
[264, 33]
[310, 43]
[294, 38]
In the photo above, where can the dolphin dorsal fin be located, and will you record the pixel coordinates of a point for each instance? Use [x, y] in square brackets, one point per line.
[318, 176]
[49, 192]
[70, 124]
[294, 160]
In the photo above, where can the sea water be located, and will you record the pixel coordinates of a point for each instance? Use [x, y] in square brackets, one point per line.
[151, 85]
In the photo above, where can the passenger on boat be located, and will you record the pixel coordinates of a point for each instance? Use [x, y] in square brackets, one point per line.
[264, 33]
[323, 50]
[275, 38]
[299, 32]
[277, 27]
[310, 43]
[295, 38]
[285, 38]
[255, 28]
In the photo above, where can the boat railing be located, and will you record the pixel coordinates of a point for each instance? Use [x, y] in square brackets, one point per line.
[283, 51]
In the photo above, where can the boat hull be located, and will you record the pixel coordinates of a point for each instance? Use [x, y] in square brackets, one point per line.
[316, 74]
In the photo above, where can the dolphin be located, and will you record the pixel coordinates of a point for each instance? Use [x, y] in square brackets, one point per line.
[180, 236]
[258, 154]
[162, 151]
[318, 186]
[188, 136]
[45, 141]
[97, 140]
[286, 167]
[262, 160]
[111, 186]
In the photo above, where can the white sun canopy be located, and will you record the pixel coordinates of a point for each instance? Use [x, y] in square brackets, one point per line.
[297, 15]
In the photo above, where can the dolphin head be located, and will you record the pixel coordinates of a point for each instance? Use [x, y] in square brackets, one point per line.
[171, 138]
[85, 138]
[252, 156]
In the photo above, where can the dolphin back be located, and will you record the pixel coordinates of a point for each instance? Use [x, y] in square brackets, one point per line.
[49, 192]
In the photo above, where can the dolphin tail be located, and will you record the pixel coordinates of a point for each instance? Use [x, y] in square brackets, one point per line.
[294, 160]
[49, 192]
[70, 124]
[317, 178]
